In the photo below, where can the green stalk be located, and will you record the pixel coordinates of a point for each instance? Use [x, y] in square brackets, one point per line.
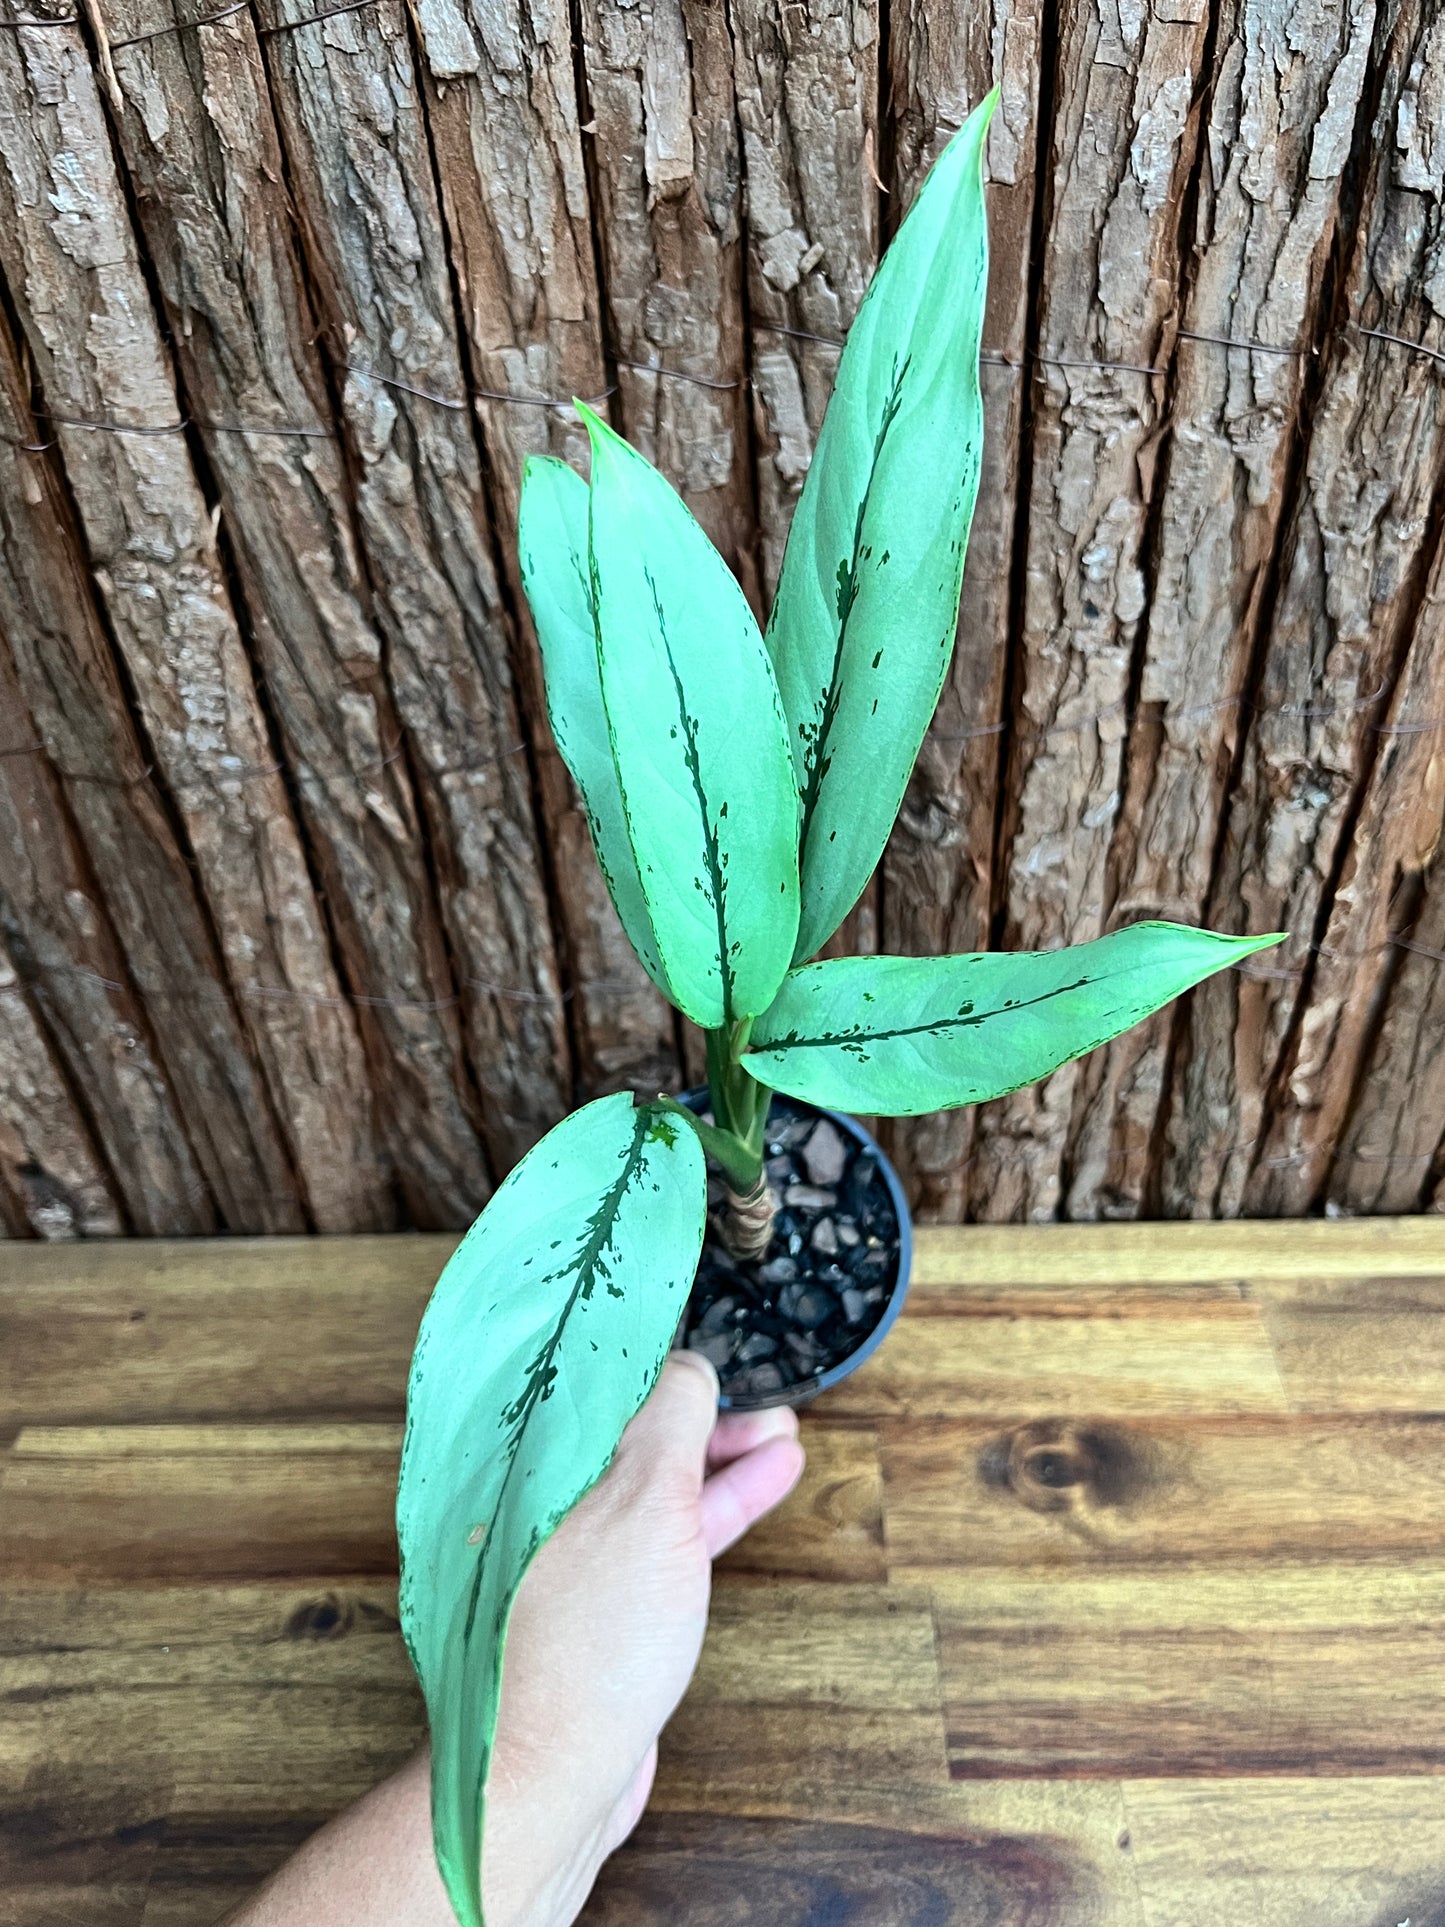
[740, 1105]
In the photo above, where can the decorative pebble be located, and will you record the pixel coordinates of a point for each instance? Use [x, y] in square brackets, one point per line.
[807, 1305]
[825, 1237]
[719, 1315]
[808, 1197]
[759, 1346]
[825, 1155]
[854, 1304]
[778, 1271]
[759, 1380]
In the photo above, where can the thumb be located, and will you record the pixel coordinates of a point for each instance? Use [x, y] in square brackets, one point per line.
[668, 1439]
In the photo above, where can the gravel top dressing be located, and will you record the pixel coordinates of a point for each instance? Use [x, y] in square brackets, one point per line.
[826, 1278]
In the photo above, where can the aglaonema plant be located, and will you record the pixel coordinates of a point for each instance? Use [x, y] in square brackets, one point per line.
[740, 787]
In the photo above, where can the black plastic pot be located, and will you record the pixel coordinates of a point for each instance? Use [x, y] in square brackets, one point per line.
[894, 1280]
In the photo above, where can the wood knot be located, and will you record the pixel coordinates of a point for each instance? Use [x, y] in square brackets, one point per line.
[325, 1618]
[1056, 1465]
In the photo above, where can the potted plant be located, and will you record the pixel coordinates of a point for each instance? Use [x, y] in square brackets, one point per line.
[740, 789]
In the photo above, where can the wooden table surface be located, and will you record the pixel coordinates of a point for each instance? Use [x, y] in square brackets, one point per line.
[1115, 1592]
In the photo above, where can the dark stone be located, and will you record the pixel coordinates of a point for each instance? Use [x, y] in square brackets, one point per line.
[759, 1346]
[778, 1271]
[715, 1347]
[761, 1379]
[807, 1305]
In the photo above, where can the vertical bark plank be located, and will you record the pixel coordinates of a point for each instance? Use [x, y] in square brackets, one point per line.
[79, 715]
[1282, 115]
[1394, 842]
[806, 79]
[350, 111]
[69, 256]
[197, 136]
[60, 941]
[938, 865]
[1395, 1135]
[501, 100]
[668, 173]
[1122, 151]
[52, 1181]
[1355, 561]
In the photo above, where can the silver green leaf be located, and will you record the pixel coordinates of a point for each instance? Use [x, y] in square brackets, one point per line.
[552, 544]
[898, 1036]
[863, 624]
[698, 740]
[543, 1337]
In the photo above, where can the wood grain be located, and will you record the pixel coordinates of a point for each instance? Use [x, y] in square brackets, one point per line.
[1133, 1618]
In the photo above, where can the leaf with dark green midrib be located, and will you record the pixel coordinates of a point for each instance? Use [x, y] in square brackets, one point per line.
[541, 1372]
[552, 549]
[964, 1019]
[717, 882]
[817, 761]
[899, 1036]
[697, 738]
[867, 602]
[572, 1280]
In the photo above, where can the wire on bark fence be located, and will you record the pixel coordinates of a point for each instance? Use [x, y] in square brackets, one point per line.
[989, 357]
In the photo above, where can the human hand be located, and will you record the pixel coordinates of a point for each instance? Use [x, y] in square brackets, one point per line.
[604, 1637]
[606, 1634]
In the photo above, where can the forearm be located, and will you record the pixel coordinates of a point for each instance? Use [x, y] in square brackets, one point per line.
[371, 1867]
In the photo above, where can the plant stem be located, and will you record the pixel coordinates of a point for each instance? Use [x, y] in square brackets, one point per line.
[740, 1105]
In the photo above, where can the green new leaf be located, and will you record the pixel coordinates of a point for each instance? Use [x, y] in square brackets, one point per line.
[545, 1334]
[698, 739]
[552, 544]
[899, 1036]
[863, 625]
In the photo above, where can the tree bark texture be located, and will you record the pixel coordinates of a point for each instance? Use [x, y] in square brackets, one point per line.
[1352, 614]
[71, 706]
[1391, 1155]
[1123, 143]
[1283, 103]
[200, 147]
[506, 122]
[938, 872]
[300, 925]
[70, 258]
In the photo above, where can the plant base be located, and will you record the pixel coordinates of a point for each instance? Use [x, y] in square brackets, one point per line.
[782, 1327]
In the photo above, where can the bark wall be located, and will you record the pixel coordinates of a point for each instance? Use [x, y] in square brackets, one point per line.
[299, 923]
